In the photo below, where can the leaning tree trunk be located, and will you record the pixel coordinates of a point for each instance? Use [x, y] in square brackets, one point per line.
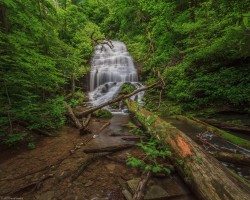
[204, 174]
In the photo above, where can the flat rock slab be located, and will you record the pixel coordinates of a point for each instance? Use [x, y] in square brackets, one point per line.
[157, 189]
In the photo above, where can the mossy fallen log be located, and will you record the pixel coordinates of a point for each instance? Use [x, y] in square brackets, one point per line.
[204, 174]
[221, 133]
[235, 158]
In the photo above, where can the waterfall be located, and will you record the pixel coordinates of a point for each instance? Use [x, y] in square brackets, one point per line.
[109, 70]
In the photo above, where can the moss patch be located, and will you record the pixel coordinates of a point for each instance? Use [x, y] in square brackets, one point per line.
[102, 113]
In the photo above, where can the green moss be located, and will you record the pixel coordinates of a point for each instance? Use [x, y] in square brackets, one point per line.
[103, 113]
[223, 134]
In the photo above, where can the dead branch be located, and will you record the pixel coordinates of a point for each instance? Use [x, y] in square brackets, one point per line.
[109, 148]
[102, 41]
[141, 188]
[86, 122]
[104, 126]
[117, 99]
[72, 116]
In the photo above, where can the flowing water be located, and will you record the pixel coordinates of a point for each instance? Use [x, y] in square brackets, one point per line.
[111, 68]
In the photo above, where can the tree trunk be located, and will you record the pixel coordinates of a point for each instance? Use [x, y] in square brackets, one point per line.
[208, 179]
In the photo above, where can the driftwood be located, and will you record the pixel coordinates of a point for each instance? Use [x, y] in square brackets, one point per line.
[117, 99]
[141, 188]
[235, 158]
[206, 176]
[109, 148]
[226, 126]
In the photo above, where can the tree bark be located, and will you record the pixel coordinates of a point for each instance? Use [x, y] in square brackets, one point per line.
[117, 99]
[208, 179]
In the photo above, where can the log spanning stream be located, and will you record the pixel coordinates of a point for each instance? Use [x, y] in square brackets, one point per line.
[111, 68]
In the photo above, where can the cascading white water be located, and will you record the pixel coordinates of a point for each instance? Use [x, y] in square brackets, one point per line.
[110, 69]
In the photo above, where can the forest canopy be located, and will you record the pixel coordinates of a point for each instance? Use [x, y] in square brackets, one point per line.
[200, 48]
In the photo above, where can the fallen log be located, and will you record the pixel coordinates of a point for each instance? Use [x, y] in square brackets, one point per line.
[220, 133]
[72, 116]
[109, 148]
[70, 113]
[86, 122]
[117, 99]
[141, 188]
[226, 126]
[235, 158]
[208, 179]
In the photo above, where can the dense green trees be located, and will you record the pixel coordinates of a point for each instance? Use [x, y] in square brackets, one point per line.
[200, 47]
[44, 48]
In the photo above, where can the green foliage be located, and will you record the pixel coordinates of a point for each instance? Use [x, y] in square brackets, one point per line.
[154, 152]
[127, 88]
[102, 113]
[13, 139]
[77, 99]
[201, 49]
[45, 48]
